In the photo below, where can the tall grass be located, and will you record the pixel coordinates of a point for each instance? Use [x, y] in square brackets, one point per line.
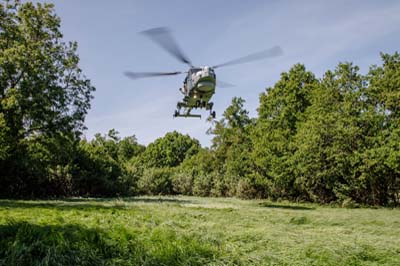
[194, 231]
[23, 243]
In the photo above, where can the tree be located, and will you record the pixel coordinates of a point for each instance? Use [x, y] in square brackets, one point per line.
[156, 164]
[170, 150]
[231, 145]
[128, 148]
[102, 168]
[330, 137]
[381, 160]
[43, 93]
[96, 172]
[192, 170]
[281, 108]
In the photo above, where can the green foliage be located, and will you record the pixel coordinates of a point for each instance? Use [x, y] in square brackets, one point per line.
[202, 185]
[44, 98]
[284, 103]
[155, 181]
[182, 182]
[5, 143]
[330, 140]
[329, 136]
[232, 145]
[155, 165]
[204, 161]
[42, 88]
[102, 165]
[254, 186]
[97, 171]
[170, 150]
[281, 108]
[128, 148]
[334, 139]
[191, 171]
[380, 170]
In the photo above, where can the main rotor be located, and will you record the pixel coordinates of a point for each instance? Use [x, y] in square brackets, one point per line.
[200, 82]
[163, 37]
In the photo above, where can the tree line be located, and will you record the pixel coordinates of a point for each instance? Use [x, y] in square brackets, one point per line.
[329, 139]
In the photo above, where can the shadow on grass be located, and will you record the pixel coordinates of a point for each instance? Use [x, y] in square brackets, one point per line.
[87, 204]
[289, 207]
[129, 199]
[157, 200]
[61, 205]
[24, 243]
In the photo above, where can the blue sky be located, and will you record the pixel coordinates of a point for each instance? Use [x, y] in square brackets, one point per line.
[318, 34]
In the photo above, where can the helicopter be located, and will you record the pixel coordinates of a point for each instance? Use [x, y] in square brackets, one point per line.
[200, 82]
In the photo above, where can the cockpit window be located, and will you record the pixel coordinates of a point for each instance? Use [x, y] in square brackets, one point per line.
[194, 70]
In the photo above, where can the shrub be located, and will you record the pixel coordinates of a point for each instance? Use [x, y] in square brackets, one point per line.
[202, 185]
[156, 181]
[182, 183]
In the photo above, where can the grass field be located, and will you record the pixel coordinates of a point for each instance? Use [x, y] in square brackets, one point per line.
[194, 231]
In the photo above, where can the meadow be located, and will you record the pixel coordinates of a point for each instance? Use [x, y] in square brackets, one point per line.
[194, 231]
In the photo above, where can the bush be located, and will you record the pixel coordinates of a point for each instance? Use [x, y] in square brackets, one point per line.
[246, 189]
[202, 185]
[220, 187]
[170, 150]
[182, 183]
[254, 186]
[156, 181]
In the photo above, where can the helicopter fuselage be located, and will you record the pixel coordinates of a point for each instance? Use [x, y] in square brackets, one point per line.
[198, 89]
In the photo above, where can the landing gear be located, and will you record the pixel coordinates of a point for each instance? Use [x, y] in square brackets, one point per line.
[212, 114]
[209, 106]
[188, 108]
[186, 112]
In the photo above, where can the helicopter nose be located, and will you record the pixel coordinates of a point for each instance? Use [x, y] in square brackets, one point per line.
[207, 71]
[206, 74]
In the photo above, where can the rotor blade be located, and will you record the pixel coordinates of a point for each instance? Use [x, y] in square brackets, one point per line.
[222, 84]
[138, 75]
[272, 52]
[163, 38]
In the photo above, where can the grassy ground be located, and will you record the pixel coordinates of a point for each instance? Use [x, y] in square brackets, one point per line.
[194, 231]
